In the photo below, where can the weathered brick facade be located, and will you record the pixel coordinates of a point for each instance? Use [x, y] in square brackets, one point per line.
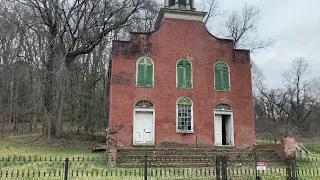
[173, 40]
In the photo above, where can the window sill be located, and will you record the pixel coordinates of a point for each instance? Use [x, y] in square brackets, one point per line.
[223, 90]
[145, 86]
[184, 132]
[183, 88]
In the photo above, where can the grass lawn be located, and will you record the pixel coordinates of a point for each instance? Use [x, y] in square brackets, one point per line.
[46, 161]
[9, 148]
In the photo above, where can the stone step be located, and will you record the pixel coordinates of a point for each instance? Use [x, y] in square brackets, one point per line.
[187, 160]
[183, 149]
[174, 165]
[189, 157]
[163, 154]
[193, 156]
[191, 160]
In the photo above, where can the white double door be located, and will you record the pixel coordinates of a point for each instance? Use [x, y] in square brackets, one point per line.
[143, 128]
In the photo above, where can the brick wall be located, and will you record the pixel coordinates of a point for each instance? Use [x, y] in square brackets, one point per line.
[176, 39]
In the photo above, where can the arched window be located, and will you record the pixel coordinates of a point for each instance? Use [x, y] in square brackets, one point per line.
[223, 107]
[184, 114]
[221, 76]
[144, 73]
[144, 104]
[184, 74]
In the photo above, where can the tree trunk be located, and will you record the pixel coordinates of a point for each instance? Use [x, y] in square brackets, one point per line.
[11, 101]
[49, 86]
[60, 100]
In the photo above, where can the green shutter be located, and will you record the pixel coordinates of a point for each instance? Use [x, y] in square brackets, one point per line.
[184, 74]
[140, 76]
[180, 76]
[217, 79]
[149, 75]
[188, 75]
[225, 78]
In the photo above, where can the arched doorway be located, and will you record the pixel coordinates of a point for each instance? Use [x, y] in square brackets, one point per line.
[143, 123]
[223, 125]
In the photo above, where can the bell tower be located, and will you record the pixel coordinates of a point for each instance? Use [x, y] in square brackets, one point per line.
[179, 9]
[180, 4]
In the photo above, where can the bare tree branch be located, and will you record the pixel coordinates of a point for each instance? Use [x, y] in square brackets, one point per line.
[242, 29]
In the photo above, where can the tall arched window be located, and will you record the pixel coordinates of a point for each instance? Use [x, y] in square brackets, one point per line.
[184, 114]
[144, 73]
[221, 76]
[184, 74]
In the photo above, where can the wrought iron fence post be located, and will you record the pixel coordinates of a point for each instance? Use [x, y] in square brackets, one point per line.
[291, 172]
[145, 168]
[224, 167]
[255, 163]
[218, 167]
[66, 168]
[221, 167]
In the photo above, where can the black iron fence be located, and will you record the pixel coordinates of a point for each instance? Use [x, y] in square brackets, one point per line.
[220, 168]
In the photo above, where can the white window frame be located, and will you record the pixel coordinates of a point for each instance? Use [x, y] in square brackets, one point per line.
[177, 118]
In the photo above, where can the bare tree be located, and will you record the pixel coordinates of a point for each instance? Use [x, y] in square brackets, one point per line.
[212, 7]
[241, 27]
[290, 108]
[70, 29]
[257, 77]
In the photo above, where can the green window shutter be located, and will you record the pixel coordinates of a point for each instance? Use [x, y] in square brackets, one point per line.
[149, 75]
[217, 79]
[184, 74]
[180, 78]
[225, 79]
[188, 75]
[141, 74]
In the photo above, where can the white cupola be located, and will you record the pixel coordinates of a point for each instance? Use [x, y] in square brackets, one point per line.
[180, 4]
[179, 9]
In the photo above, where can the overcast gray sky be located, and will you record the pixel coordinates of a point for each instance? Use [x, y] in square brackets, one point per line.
[293, 24]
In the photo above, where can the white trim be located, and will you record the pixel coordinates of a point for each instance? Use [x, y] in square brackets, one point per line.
[214, 78]
[137, 62]
[192, 117]
[231, 123]
[173, 12]
[182, 14]
[177, 74]
[153, 121]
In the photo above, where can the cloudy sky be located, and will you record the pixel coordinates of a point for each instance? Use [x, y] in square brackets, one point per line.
[293, 24]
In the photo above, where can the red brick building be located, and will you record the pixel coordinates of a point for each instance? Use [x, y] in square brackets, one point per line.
[180, 84]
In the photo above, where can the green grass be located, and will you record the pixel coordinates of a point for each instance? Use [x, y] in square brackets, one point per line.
[36, 161]
[262, 141]
[9, 148]
[313, 147]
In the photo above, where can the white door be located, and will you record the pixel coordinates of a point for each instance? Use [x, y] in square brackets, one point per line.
[143, 132]
[218, 130]
[228, 130]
